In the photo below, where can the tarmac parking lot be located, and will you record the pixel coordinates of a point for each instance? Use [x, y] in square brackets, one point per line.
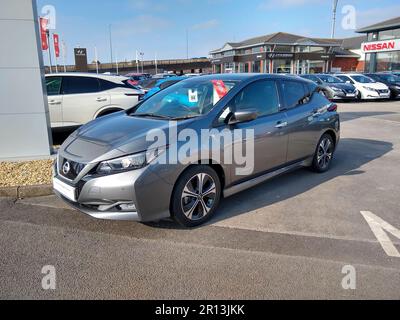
[287, 238]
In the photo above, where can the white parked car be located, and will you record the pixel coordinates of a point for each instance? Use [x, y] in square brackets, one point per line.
[77, 98]
[367, 88]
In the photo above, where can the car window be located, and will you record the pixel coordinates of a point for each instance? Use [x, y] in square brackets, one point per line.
[345, 79]
[188, 98]
[363, 79]
[77, 85]
[294, 93]
[167, 84]
[330, 79]
[261, 96]
[53, 85]
[107, 85]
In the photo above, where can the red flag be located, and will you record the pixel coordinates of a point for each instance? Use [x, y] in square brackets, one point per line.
[43, 33]
[56, 45]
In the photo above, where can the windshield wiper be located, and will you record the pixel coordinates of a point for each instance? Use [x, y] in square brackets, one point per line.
[186, 117]
[151, 115]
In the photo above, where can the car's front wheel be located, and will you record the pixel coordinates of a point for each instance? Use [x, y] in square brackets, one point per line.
[196, 196]
[324, 154]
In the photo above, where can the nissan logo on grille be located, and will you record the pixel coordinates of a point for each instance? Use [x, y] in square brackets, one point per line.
[66, 168]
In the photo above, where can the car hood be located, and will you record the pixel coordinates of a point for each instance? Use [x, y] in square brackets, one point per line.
[343, 86]
[376, 85]
[113, 136]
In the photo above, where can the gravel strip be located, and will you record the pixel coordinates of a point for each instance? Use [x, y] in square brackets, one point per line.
[38, 172]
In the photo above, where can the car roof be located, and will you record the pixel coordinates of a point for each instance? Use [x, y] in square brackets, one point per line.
[107, 77]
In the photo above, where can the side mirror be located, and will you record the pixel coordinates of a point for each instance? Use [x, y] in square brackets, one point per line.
[348, 81]
[242, 116]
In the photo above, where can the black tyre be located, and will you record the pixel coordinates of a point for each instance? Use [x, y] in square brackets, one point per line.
[196, 196]
[323, 154]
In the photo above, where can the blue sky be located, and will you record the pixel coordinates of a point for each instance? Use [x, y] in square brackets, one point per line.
[159, 26]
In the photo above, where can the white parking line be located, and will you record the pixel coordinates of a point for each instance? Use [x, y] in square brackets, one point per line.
[378, 227]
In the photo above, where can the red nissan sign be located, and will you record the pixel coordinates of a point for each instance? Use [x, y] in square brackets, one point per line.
[56, 45]
[381, 46]
[43, 33]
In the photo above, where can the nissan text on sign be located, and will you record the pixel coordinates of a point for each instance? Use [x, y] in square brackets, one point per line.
[381, 46]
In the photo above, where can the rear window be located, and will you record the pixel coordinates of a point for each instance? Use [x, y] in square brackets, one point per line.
[294, 92]
[80, 85]
[53, 85]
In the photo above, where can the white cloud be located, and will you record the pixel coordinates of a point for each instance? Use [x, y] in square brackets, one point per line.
[206, 25]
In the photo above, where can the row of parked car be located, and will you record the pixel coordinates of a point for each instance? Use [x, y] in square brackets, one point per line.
[77, 98]
[352, 86]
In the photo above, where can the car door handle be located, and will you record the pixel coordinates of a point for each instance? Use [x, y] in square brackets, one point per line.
[281, 125]
[102, 99]
[53, 102]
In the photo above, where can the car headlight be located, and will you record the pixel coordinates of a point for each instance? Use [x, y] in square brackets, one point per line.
[336, 89]
[369, 88]
[131, 162]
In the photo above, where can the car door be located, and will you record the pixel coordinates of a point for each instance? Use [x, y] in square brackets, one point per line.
[270, 133]
[82, 99]
[302, 117]
[55, 99]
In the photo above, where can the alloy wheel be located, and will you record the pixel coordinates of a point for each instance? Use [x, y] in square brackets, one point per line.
[325, 152]
[198, 196]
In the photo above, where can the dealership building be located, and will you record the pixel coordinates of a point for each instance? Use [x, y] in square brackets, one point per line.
[276, 53]
[382, 46]
[283, 52]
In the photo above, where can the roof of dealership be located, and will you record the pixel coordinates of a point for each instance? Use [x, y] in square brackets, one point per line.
[384, 25]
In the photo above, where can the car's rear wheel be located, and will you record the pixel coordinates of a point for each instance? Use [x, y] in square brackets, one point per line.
[196, 196]
[324, 154]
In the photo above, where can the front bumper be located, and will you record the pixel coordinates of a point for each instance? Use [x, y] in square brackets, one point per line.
[145, 192]
[341, 95]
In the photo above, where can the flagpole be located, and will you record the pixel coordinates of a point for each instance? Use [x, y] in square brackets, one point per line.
[137, 62]
[49, 50]
[155, 61]
[63, 49]
[97, 60]
[116, 60]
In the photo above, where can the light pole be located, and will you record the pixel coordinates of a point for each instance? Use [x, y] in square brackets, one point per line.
[141, 58]
[49, 50]
[335, 3]
[111, 47]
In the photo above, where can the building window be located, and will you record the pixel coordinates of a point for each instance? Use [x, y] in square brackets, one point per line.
[388, 61]
[389, 34]
[256, 66]
[283, 49]
[282, 66]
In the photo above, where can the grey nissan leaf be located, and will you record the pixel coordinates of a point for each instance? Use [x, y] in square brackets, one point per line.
[177, 153]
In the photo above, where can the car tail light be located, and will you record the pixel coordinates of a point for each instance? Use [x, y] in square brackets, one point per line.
[332, 107]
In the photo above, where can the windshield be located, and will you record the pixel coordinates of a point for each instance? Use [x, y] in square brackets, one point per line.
[330, 79]
[389, 78]
[363, 79]
[185, 99]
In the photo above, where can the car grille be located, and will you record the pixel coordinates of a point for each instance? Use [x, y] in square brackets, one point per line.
[70, 169]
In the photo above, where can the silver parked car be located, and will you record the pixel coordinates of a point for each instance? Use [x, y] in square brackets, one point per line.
[109, 168]
[77, 98]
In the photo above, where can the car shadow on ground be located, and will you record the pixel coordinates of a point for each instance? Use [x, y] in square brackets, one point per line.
[349, 158]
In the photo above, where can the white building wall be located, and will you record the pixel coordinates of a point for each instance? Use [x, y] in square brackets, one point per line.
[24, 113]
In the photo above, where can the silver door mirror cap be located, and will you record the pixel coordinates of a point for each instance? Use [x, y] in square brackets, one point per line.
[243, 116]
